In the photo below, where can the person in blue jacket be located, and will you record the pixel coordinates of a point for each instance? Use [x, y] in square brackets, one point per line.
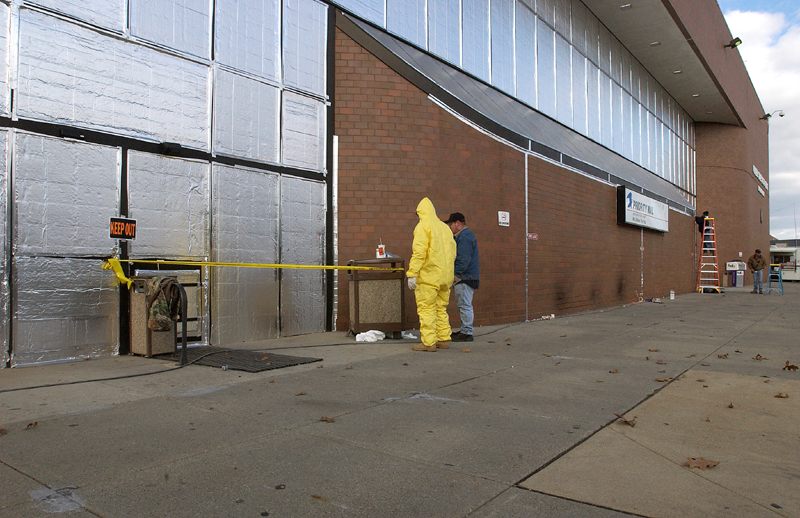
[466, 274]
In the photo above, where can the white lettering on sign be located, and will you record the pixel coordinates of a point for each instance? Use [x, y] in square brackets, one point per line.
[642, 211]
[760, 178]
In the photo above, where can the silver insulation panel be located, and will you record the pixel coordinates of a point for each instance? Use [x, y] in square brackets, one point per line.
[109, 14]
[65, 193]
[178, 24]
[5, 92]
[444, 22]
[546, 69]
[245, 215]
[305, 27]
[503, 45]
[303, 136]
[406, 18]
[246, 117]
[4, 292]
[63, 309]
[302, 242]
[81, 82]
[475, 54]
[525, 33]
[247, 36]
[169, 199]
[370, 10]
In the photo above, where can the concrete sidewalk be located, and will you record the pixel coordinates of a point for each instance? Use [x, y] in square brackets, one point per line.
[520, 422]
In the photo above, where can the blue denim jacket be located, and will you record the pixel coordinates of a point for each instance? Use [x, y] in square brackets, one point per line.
[466, 267]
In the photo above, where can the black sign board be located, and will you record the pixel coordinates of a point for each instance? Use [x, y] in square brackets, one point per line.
[122, 228]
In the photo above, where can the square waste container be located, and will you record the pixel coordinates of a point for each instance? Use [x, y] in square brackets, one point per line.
[377, 298]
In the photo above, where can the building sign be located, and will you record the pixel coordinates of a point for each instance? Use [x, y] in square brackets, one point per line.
[760, 178]
[639, 210]
[122, 228]
[503, 218]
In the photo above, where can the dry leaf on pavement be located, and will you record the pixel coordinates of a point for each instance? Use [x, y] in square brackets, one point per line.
[31, 425]
[722, 356]
[691, 356]
[699, 463]
[782, 395]
[789, 367]
[3, 431]
[759, 358]
[300, 394]
[730, 406]
[654, 350]
[465, 350]
[327, 419]
[663, 380]
[613, 371]
[661, 362]
[631, 422]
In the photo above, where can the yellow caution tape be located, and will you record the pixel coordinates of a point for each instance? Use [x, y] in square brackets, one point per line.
[114, 264]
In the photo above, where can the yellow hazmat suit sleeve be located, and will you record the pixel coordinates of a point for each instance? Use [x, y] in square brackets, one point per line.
[433, 250]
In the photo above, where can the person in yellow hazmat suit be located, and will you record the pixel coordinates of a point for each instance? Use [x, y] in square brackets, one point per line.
[430, 275]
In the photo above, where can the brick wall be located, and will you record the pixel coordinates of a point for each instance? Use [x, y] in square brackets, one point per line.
[396, 146]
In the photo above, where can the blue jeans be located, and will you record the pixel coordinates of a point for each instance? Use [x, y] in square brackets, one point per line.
[758, 275]
[464, 304]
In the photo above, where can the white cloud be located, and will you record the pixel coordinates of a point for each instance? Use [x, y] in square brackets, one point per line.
[770, 54]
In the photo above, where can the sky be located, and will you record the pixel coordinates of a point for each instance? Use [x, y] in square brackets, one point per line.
[769, 31]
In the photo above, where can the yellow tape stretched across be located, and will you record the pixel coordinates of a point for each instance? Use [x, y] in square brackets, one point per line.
[114, 264]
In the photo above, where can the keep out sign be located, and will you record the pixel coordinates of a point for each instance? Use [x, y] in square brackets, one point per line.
[122, 228]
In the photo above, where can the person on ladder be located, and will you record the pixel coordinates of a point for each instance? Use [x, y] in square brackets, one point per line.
[756, 263]
[702, 225]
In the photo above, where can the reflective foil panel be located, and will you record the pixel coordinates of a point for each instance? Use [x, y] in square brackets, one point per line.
[65, 194]
[247, 36]
[503, 45]
[4, 292]
[305, 25]
[475, 38]
[4, 91]
[302, 242]
[303, 132]
[406, 18]
[109, 14]
[96, 81]
[169, 199]
[178, 24]
[526, 54]
[63, 309]
[245, 212]
[370, 10]
[246, 117]
[444, 29]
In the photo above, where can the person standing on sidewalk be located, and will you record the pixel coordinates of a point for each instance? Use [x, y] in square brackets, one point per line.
[466, 274]
[756, 263]
[430, 275]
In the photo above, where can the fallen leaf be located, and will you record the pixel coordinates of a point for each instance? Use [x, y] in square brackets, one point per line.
[699, 463]
[661, 372]
[272, 381]
[759, 358]
[661, 362]
[280, 486]
[465, 350]
[563, 336]
[663, 380]
[704, 364]
[557, 363]
[320, 366]
[31, 425]
[789, 367]
[349, 367]
[3, 431]
[613, 371]
[708, 420]
[543, 354]
[263, 358]
[631, 422]
[327, 419]
[654, 350]
[701, 381]
[508, 339]
[705, 386]
[722, 356]
[490, 342]
[300, 394]
[320, 498]
[766, 381]
[647, 358]
[782, 395]
[730, 406]
[405, 365]
[691, 356]
[738, 351]
[600, 381]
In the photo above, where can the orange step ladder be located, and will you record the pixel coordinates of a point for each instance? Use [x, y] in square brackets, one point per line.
[708, 264]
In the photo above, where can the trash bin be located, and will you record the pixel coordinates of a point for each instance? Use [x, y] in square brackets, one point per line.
[377, 298]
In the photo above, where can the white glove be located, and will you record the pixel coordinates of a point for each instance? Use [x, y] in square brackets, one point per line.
[412, 283]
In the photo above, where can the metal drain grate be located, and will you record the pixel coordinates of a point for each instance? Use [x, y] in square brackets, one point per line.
[249, 361]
